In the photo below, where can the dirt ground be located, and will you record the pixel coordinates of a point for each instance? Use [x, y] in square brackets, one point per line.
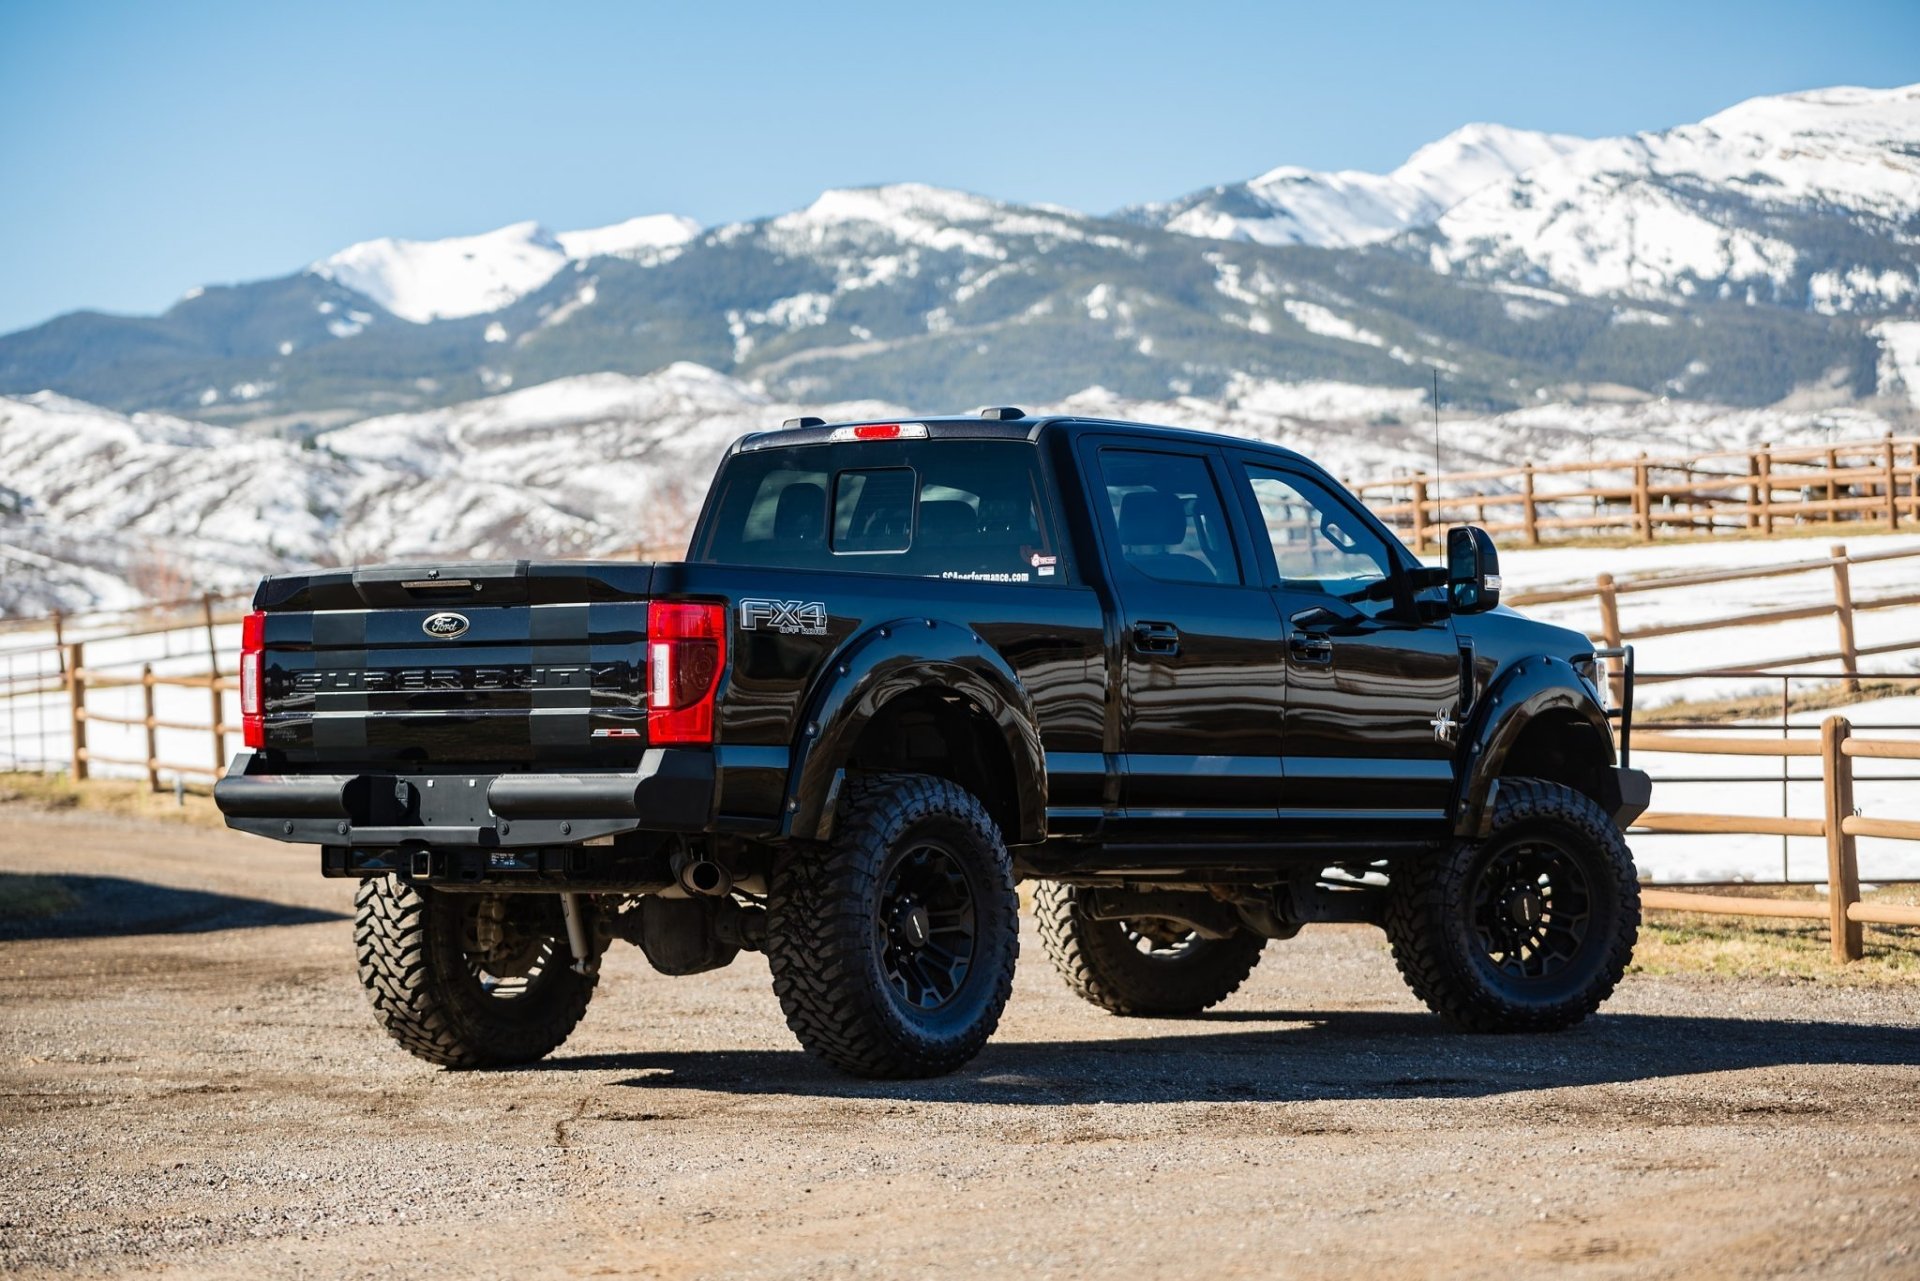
[203, 1092]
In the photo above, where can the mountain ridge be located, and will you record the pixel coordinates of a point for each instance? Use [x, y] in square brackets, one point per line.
[1739, 260]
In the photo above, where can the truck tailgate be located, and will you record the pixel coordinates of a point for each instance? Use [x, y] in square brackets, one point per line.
[504, 663]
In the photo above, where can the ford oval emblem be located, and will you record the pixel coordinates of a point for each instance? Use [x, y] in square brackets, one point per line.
[445, 626]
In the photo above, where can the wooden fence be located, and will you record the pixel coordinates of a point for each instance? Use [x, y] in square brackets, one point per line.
[80, 679]
[1840, 825]
[1606, 592]
[1764, 491]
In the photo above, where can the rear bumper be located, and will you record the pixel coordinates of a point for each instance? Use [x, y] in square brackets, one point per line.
[670, 791]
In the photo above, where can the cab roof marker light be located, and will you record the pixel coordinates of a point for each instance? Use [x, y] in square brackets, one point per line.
[880, 431]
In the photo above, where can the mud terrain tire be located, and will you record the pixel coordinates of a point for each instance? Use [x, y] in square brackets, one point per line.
[1528, 930]
[893, 944]
[417, 972]
[1103, 963]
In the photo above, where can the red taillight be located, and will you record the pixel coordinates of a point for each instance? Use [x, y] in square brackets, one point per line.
[686, 648]
[880, 431]
[253, 720]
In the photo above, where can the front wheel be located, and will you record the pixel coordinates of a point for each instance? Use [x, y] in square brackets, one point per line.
[893, 945]
[1528, 930]
[468, 980]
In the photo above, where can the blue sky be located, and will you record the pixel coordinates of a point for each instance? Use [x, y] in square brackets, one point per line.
[146, 147]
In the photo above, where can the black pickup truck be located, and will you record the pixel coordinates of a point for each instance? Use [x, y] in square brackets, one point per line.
[1184, 683]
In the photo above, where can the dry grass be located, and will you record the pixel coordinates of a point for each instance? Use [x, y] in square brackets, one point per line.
[124, 798]
[1767, 947]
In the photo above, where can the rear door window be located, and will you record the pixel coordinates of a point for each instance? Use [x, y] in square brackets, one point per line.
[1168, 521]
[959, 509]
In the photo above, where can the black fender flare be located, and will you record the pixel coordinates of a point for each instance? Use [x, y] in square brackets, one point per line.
[1529, 689]
[883, 663]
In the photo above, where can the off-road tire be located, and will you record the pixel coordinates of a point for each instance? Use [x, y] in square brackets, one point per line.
[1103, 965]
[408, 942]
[824, 931]
[1430, 917]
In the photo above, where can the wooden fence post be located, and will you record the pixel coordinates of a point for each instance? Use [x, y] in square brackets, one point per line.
[213, 685]
[1843, 613]
[1530, 514]
[1892, 482]
[60, 639]
[1610, 629]
[219, 739]
[1419, 513]
[1753, 491]
[1766, 488]
[77, 708]
[1642, 503]
[1843, 864]
[1833, 487]
[153, 730]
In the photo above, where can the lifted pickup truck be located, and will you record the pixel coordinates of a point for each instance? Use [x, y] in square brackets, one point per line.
[1185, 683]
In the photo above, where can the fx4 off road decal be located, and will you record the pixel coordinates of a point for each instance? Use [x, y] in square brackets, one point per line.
[788, 617]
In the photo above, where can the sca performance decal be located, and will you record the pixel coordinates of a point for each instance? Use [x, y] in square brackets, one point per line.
[788, 617]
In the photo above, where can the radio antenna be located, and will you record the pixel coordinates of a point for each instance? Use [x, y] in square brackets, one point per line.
[1436, 421]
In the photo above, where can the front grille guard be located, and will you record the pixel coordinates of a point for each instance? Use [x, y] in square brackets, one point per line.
[1623, 713]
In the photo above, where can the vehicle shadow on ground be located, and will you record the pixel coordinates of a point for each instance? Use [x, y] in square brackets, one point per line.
[1333, 1056]
[75, 907]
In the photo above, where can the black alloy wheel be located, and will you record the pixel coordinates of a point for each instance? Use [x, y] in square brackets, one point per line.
[893, 944]
[927, 922]
[1526, 930]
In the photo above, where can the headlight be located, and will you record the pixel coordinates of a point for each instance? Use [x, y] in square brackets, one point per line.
[1589, 668]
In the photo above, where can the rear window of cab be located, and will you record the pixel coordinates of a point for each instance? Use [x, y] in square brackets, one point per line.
[968, 510]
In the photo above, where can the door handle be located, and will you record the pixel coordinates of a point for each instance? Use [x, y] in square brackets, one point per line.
[1156, 638]
[1309, 648]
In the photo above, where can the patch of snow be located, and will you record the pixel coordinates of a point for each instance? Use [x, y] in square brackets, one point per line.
[642, 238]
[1833, 293]
[1640, 316]
[1624, 215]
[1294, 206]
[1900, 357]
[1316, 319]
[427, 280]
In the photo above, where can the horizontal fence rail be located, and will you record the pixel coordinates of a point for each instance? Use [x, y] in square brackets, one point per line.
[1606, 592]
[1763, 491]
[1840, 825]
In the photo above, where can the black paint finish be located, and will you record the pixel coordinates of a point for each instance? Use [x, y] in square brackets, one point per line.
[1142, 723]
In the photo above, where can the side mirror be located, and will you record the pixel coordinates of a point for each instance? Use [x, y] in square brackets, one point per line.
[1473, 570]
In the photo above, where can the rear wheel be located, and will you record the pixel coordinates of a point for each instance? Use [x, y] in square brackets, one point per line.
[1528, 930]
[1143, 968]
[468, 980]
[893, 945]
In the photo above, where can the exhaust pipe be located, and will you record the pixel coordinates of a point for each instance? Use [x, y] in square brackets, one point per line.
[704, 878]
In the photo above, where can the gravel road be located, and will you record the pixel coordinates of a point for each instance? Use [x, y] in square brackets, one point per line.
[210, 1097]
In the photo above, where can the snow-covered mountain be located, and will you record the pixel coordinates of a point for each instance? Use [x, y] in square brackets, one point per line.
[428, 280]
[100, 509]
[1295, 206]
[1768, 250]
[1809, 200]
